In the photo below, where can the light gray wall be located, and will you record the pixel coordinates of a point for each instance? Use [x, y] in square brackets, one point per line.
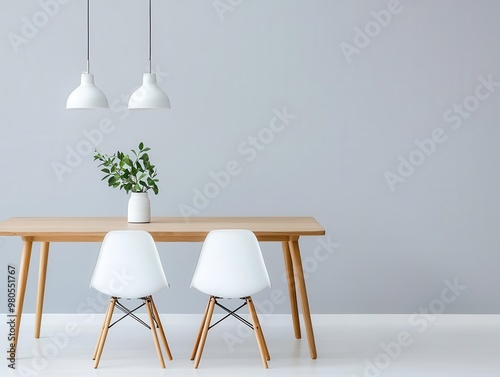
[397, 234]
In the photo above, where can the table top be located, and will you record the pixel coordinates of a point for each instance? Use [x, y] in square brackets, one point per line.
[77, 229]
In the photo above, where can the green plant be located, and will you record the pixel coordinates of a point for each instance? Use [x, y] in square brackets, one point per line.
[136, 175]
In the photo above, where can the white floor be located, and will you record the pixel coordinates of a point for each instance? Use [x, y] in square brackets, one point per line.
[348, 345]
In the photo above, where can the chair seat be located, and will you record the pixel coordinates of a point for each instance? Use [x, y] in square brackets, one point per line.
[230, 266]
[128, 266]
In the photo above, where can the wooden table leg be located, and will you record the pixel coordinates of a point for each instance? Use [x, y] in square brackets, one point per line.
[299, 277]
[291, 289]
[42, 274]
[21, 288]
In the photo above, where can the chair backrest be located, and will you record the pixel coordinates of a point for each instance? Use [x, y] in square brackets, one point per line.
[230, 265]
[128, 265]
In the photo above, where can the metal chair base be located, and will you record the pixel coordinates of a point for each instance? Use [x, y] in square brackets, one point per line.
[155, 325]
[205, 326]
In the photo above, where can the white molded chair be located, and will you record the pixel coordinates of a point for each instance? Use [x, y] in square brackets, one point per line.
[129, 267]
[230, 266]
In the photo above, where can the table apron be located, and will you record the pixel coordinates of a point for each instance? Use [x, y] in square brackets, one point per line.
[157, 238]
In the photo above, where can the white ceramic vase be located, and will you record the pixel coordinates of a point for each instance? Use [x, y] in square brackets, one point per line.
[139, 208]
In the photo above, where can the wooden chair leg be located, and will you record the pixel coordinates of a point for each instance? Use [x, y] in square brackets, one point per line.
[258, 328]
[102, 339]
[261, 333]
[265, 344]
[153, 331]
[160, 328]
[110, 305]
[264, 353]
[204, 333]
[198, 337]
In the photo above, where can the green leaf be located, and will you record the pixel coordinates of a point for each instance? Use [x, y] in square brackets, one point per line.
[120, 171]
[128, 161]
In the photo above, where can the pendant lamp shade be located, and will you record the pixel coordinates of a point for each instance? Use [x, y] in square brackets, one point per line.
[87, 95]
[149, 95]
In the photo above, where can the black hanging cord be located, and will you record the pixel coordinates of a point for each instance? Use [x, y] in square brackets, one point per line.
[149, 36]
[88, 36]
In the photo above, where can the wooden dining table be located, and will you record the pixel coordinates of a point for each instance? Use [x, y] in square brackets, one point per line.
[286, 230]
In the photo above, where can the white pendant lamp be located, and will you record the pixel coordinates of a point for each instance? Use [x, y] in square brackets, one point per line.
[87, 95]
[149, 95]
